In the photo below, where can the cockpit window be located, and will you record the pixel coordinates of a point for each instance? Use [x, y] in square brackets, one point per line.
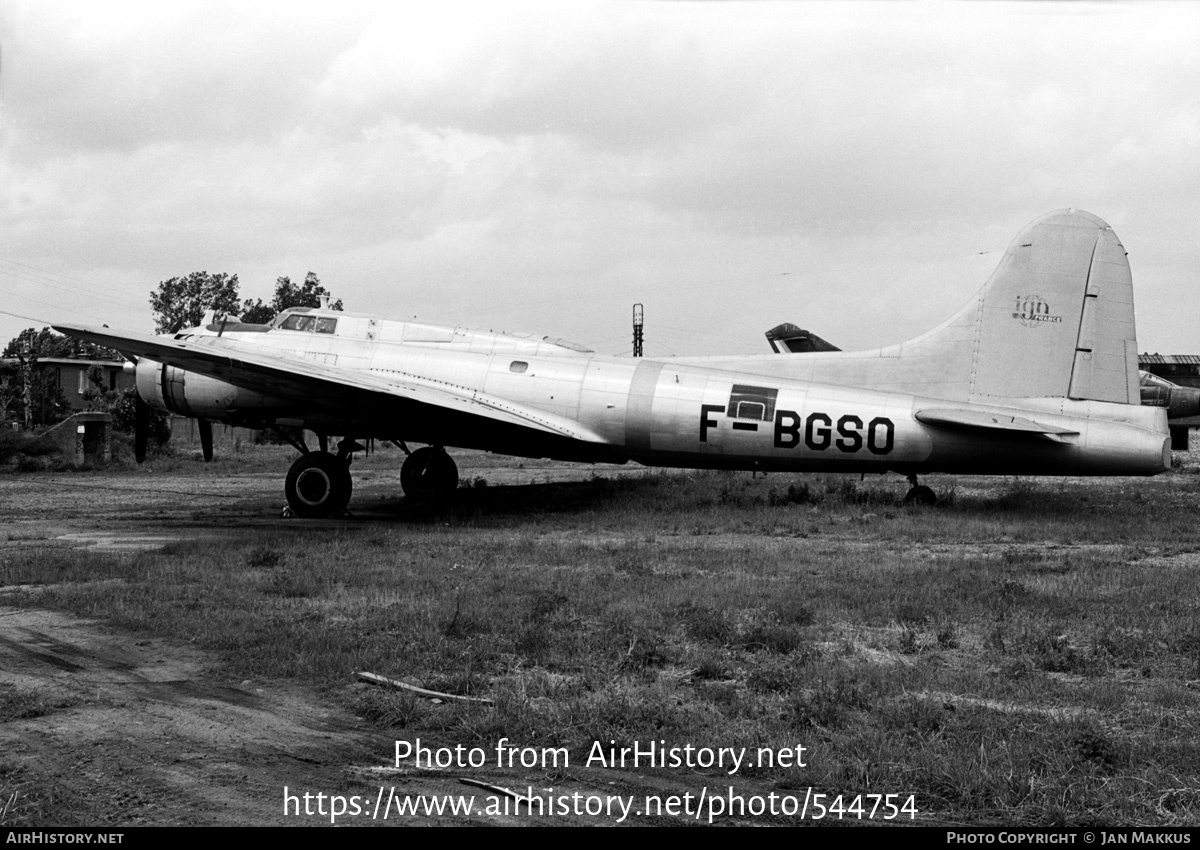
[298, 323]
[312, 324]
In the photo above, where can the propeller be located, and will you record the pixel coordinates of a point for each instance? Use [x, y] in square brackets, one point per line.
[141, 427]
[206, 438]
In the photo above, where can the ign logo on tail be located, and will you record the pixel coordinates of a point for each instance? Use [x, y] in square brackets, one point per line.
[1032, 311]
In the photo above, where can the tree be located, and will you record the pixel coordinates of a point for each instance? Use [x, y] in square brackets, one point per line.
[21, 380]
[46, 343]
[182, 301]
[287, 294]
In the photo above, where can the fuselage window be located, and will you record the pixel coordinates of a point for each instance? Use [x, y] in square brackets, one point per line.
[325, 325]
[518, 366]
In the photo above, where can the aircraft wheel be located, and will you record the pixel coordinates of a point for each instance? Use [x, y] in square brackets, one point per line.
[429, 473]
[318, 485]
[920, 495]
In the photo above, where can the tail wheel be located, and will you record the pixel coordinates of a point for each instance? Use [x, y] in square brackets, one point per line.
[920, 495]
[318, 485]
[429, 473]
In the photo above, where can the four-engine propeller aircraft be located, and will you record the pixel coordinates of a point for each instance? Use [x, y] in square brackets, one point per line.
[1037, 375]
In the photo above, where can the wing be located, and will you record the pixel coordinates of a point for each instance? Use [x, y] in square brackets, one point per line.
[327, 387]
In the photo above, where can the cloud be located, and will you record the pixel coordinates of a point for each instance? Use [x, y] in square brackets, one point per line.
[497, 156]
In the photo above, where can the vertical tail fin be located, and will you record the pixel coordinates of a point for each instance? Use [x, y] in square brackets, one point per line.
[1055, 320]
[1056, 317]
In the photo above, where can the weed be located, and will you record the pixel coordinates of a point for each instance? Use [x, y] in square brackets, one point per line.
[1093, 746]
[392, 709]
[705, 624]
[644, 652]
[18, 703]
[997, 638]
[763, 631]
[1020, 493]
[774, 679]
[290, 585]
[28, 451]
[947, 637]
[837, 695]
[1053, 651]
[712, 668]
[911, 614]
[796, 494]
[263, 556]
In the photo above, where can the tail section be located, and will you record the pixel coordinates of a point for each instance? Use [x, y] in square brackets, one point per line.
[1055, 320]
[1056, 317]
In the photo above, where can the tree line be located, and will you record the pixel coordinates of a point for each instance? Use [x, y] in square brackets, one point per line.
[177, 303]
[181, 302]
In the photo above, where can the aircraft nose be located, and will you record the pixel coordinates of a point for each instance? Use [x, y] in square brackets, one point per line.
[1185, 401]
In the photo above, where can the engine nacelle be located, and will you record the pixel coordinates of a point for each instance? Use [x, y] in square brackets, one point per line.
[174, 390]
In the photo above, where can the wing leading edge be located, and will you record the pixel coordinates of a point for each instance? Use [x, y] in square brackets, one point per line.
[281, 375]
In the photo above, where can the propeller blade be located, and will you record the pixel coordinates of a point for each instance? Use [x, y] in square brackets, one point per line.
[141, 428]
[206, 438]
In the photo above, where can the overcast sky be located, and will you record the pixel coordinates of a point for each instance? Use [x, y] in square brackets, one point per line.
[855, 169]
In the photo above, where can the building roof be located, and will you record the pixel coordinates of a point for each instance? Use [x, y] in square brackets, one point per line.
[68, 361]
[1169, 359]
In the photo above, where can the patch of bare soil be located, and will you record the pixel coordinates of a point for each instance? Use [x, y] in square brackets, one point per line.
[136, 732]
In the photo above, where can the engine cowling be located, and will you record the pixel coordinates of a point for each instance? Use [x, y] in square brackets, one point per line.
[174, 390]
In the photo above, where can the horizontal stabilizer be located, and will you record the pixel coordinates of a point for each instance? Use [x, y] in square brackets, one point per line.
[981, 420]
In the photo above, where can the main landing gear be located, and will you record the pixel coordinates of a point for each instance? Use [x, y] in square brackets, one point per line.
[429, 475]
[919, 494]
[318, 485]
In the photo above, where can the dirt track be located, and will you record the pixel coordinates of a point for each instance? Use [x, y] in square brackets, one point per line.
[141, 733]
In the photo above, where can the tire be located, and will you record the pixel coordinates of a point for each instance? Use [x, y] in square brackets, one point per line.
[920, 495]
[318, 485]
[429, 474]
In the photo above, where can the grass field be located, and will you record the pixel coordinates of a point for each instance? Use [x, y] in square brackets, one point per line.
[1026, 652]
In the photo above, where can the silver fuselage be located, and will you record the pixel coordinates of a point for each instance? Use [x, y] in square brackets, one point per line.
[736, 413]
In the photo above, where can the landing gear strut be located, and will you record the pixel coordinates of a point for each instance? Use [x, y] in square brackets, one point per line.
[429, 474]
[919, 494]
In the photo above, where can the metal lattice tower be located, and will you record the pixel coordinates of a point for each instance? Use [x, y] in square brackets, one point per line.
[637, 330]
